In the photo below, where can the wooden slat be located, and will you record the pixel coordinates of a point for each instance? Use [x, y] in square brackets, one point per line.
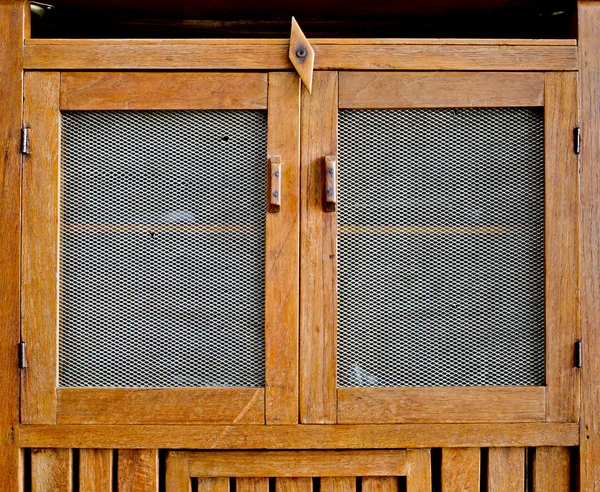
[178, 472]
[160, 406]
[95, 470]
[40, 248]
[293, 485]
[112, 91]
[460, 469]
[372, 90]
[51, 470]
[252, 484]
[418, 470]
[282, 289]
[11, 95]
[562, 247]
[589, 89]
[137, 470]
[419, 405]
[300, 436]
[213, 484]
[506, 469]
[166, 54]
[380, 484]
[552, 470]
[298, 463]
[318, 301]
[338, 484]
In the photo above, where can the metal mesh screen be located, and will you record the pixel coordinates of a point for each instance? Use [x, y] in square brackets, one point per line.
[162, 248]
[440, 247]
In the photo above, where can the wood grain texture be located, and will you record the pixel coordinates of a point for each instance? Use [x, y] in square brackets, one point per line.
[302, 55]
[298, 463]
[300, 436]
[95, 470]
[114, 91]
[506, 470]
[51, 470]
[552, 470]
[318, 248]
[282, 283]
[589, 89]
[213, 484]
[160, 406]
[11, 113]
[338, 484]
[368, 90]
[562, 247]
[226, 55]
[460, 469]
[418, 470]
[449, 405]
[178, 472]
[39, 302]
[294, 484]
[380, 484]
[252, 484]
[137, 470]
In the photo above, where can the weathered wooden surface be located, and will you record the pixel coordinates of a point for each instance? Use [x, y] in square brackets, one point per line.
[51, 470]
[95, 470]
[138, 470]
[506, 469]
[461, 470]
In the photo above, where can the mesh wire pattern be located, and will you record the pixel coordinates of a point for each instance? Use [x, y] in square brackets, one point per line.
[162, 249]
[441, 247]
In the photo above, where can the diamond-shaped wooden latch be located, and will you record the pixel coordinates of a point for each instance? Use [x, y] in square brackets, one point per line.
[302, 55]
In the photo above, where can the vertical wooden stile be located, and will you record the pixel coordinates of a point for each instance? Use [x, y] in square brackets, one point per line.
[506, 469]
[418, 477]
[178, 473]
[282, 254]
[138, 470]
[552, 469]
[318, 318]
[51, 470]
[95, 470]
[461, 469]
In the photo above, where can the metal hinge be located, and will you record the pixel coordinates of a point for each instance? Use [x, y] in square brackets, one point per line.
[22, 356]
[577, 140]
[578, 354]
[25, 141]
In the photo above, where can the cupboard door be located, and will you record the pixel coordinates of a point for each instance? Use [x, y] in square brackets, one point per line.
[155, 282]
[446, 289]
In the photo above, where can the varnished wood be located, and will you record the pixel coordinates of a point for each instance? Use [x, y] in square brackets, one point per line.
[283, 255]
[338, 484]
[460, 469]
[318, 302]
[252, 484]
[51, 470]
[418, 470]
[138, 470]
[294, 484]
[589, 90]
[160, 406]
[11, 112]
[506, 469]
[95, 470]
[177, 477]
[298, 463]
[213, 484]
[552, 470]
[300, 436]
[468, 404]
[127, 90]
[380, 484]
[562, 247]
[74, 55]
[302, 55]
[274, 188]
[40, 248]
[367, 90]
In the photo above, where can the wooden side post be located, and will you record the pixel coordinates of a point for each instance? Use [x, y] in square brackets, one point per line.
[589, 104]
[11, 110]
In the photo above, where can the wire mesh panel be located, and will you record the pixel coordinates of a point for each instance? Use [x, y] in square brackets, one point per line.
[162, 249]
[440, 247]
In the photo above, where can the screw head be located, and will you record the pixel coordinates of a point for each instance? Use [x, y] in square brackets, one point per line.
[275, 194]
[300, 52]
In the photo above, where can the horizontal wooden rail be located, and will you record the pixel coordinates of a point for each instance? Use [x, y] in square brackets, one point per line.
[226, 55]
[298, 436]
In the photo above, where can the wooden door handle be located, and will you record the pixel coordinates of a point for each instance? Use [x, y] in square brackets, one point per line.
[274, 188]
[330, 194]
